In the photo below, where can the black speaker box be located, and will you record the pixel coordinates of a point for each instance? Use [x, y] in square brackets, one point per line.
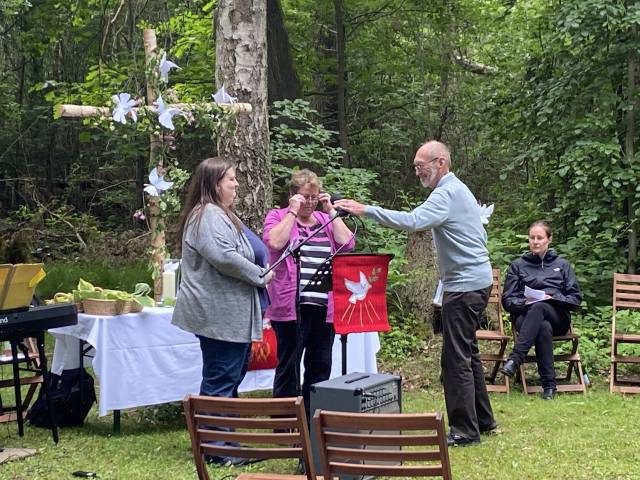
[357, 393]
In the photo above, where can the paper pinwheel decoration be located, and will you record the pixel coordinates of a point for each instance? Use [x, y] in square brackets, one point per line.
[485, 212]
[157, 184]
[358, 289]
[166, 113]
[165, 67]
[221, 96]
[124, 105]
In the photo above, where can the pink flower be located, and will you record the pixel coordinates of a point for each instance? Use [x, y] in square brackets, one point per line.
[139, 215]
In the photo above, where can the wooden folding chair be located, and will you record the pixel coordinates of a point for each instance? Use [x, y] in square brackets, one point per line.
[264, 428]
[626, 295]
[31, 362]
[386, 445]
[572, 359]
[495, 339]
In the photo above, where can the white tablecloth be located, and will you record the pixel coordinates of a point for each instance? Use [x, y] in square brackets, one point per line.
[142, 359]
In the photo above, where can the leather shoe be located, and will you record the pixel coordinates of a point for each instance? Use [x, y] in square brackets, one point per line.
[454, 440]
[509, 368]
[548, 394]
[493, 429]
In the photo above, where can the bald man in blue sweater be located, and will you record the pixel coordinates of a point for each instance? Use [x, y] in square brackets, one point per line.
[452, 212]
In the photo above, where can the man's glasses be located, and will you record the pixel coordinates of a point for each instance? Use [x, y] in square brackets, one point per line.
[423, 165]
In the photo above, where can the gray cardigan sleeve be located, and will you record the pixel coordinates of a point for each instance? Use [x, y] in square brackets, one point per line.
[432, 213]
[217, 241]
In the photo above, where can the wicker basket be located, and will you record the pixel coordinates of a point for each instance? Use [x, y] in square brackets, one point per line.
[131, 307]
[96, 306]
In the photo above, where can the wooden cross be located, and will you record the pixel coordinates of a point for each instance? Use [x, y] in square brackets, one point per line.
[156, 223]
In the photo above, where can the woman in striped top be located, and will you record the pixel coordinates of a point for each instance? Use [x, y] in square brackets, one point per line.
[285, 226]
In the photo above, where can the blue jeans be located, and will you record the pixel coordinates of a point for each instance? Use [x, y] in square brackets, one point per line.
[224, 365]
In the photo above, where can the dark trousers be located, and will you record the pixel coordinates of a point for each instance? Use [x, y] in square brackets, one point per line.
[316, 340]
[224, 365]
[465, 391]
[540, 322]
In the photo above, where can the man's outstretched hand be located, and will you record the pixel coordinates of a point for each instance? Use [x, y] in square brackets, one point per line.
[351, 206]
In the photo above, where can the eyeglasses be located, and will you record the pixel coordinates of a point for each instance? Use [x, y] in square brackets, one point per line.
[422, 165]
[311, 198]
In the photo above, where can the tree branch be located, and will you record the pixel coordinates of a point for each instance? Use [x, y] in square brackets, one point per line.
[473, 67]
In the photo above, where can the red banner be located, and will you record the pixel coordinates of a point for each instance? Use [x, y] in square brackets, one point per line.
[264, 354]
[360, 293]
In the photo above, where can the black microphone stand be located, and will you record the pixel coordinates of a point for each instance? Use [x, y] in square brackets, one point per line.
[294, 252]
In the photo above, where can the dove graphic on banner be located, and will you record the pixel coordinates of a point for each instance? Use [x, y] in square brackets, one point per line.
[358, 289]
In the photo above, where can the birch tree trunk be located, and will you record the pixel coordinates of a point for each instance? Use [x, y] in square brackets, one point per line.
[241, 66]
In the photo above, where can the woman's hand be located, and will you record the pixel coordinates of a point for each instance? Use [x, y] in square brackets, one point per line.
[269, 276]
[325, 200]
[295, 202]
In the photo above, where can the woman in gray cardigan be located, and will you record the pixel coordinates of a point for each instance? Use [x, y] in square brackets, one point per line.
[218, 296]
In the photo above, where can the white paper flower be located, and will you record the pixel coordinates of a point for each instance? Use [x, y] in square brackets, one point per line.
[124, 105]
[157, 184]
[165, 67]
[485, 212]
[221, 96]
[166, 113]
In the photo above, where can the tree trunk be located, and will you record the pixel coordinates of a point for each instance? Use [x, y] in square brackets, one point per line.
[156, 222]
[630, 152]
[283, 81]
[241, 66]
[341, 81]
[417, 294]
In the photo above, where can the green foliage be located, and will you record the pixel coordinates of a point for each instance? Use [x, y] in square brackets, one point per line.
[64, 276]
[405, 339]
[298, 140]
[594, 328]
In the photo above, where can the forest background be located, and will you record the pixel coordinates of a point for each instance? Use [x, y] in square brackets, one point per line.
[537, 99]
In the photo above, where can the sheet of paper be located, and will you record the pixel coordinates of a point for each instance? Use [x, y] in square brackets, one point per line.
[533, 295]
[437, 298]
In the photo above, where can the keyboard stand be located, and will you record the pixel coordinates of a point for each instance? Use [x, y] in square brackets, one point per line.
[15, 340]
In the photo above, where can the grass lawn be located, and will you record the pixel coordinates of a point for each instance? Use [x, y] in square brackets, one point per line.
[593, 436]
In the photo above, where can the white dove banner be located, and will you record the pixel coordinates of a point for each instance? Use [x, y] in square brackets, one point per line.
[360, 293]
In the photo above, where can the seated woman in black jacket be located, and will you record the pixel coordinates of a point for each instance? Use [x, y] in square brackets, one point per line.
[538, 320]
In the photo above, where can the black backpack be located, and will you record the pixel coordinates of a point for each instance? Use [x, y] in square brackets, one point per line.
[65, 391]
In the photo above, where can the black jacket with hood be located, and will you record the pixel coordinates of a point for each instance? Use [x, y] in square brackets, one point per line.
[553, 274]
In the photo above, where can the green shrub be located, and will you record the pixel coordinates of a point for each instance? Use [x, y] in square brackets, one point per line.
[64, 276]
[407, 337]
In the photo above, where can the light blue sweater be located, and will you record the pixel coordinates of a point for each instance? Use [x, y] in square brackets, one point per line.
[461, 240]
